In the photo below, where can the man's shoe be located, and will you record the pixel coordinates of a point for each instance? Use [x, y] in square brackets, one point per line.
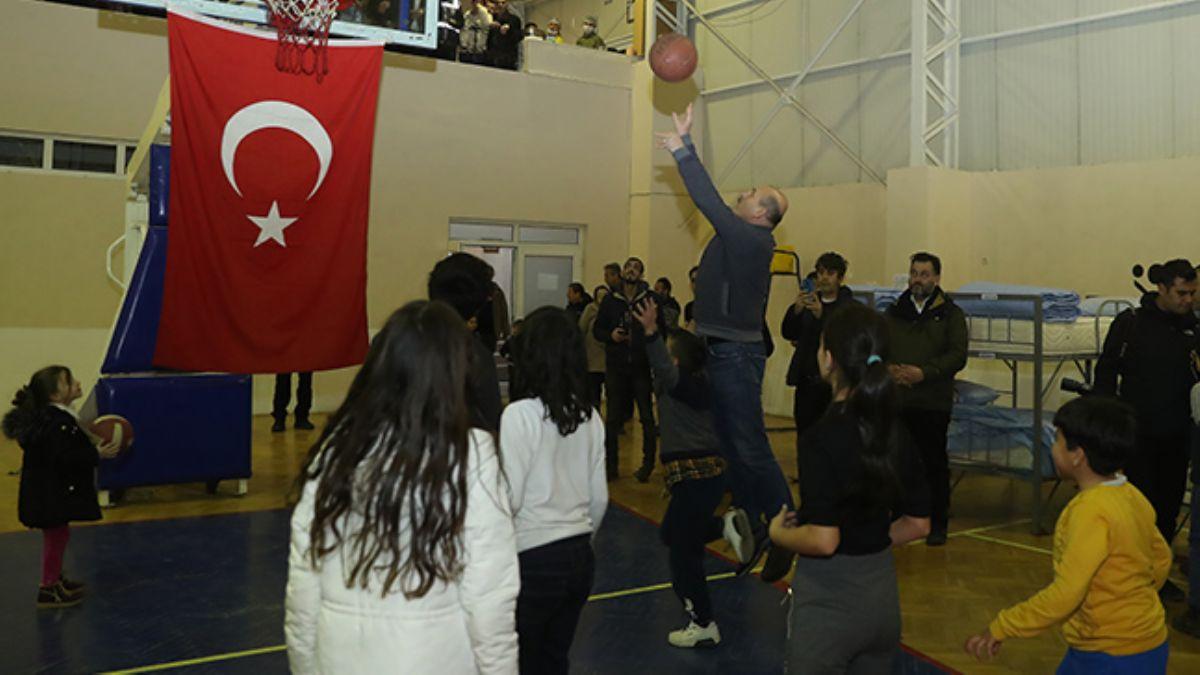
[694, 635]
[643, 473]
[760, 547]
[739, 535]
[54, 597]
[1188, 623]
[70, 586]
[936, 538]
[278, 426]
[778, 564]
[1171, 593]
[303, 425]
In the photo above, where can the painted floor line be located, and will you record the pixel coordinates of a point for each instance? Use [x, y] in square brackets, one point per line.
[279, 648]
[1011, 544]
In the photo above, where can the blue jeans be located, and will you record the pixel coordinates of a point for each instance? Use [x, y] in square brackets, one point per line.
[735, 373]
[1150, 662]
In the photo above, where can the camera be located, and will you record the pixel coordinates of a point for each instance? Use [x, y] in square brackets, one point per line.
[1075, 387]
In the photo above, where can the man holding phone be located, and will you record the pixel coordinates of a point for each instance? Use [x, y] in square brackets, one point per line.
[821, 293]
[627, 369]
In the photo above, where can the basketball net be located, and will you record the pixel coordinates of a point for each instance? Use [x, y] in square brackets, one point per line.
[303, 30]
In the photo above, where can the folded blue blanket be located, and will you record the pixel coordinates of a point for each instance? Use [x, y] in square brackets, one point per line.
[989, 433]
[1058, 305]
[1106, 306]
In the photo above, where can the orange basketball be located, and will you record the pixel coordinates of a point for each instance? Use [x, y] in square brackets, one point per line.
[673, 57]
[113, 427]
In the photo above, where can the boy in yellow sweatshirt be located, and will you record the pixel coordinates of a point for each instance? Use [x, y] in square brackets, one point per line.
[1109, 558]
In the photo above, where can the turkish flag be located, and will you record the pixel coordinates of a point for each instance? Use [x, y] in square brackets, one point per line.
[270, 187]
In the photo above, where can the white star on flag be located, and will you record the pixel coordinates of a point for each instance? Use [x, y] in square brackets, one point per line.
[271, 226]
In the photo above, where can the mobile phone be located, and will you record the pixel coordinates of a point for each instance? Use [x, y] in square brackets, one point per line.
[807, 285]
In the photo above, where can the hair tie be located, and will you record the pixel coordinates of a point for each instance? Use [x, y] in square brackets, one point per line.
[873, 359]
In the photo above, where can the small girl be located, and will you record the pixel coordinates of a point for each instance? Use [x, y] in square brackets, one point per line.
[553, 448]
[402, 556]
[58, 481]
[862, 492]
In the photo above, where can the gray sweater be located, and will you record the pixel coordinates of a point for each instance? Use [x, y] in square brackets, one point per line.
[735, 271]
[684, 417]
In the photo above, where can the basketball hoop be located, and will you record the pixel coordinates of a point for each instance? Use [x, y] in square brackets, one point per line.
[303, 29]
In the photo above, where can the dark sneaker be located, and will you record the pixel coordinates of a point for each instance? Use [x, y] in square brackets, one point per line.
[760, 547]
[1188, 622]
[936, 538]
[70, 586]
[53, 597]
[778, 564]
[1171, 593]
[304, 425]
[643, 474]
[278, 427]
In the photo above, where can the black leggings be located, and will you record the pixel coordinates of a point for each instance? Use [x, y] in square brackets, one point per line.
[688, 525]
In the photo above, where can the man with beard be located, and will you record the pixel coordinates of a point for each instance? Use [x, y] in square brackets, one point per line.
[929, 346]
[627, 369]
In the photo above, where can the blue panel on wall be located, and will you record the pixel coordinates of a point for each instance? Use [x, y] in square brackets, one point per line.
[136, 333]
[187, 428]
[160, 182]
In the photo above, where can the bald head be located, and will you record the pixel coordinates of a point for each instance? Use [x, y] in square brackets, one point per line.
[763, 206]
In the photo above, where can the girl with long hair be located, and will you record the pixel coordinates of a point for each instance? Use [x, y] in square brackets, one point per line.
[553, 447]
[58, 479]
[402, 556]
[862, 491]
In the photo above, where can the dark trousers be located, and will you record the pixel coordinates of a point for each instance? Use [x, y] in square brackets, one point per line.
[1193, 597]
[928, 430]
[810, 402]
[596, 387]
[1158, 468]
[283, 396]
[628, 385]
[735, 375]
[687, 527]
[556, 580]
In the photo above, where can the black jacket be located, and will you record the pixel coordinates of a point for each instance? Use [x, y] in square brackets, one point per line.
[483, 388]
[804, 329]
[1150, 362]
[58, 473]
[505, 43]
[935, 341]
[616, 310]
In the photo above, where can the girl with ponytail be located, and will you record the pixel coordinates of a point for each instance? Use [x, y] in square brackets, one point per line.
[862, 491]
[58, 483]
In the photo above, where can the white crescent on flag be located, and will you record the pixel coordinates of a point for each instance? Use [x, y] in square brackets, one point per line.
[279, 115]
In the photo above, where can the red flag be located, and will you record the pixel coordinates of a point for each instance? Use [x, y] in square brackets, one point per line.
[270, 184]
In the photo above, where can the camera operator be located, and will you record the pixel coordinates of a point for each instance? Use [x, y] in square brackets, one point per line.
[627, 370]
[1150, 362]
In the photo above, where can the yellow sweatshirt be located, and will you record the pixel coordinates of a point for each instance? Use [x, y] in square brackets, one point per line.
[1109, 562]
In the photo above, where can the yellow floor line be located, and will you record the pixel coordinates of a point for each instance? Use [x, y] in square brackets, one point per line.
[202, 660]
[988, 528]
[279, 648]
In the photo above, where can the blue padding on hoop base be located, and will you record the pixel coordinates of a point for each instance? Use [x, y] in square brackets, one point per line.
[131, 349]
[160, 184]
[186, 428]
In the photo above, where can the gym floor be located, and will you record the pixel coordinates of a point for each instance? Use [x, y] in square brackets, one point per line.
[182, 580]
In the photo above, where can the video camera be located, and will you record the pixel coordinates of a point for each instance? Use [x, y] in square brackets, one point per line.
[1075, 387]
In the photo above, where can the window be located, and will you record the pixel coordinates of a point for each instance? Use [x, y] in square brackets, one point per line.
[480, 232]
[549, 235]
[77, 156]
[21, 151]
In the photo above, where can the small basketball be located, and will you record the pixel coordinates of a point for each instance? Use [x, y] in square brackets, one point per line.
[113, 428]
[673, 57]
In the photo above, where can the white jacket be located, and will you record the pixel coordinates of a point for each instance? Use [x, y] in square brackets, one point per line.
[467, 626]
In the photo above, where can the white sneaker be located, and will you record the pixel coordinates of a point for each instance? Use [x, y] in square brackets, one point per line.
[739, 535]
[695, 636]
